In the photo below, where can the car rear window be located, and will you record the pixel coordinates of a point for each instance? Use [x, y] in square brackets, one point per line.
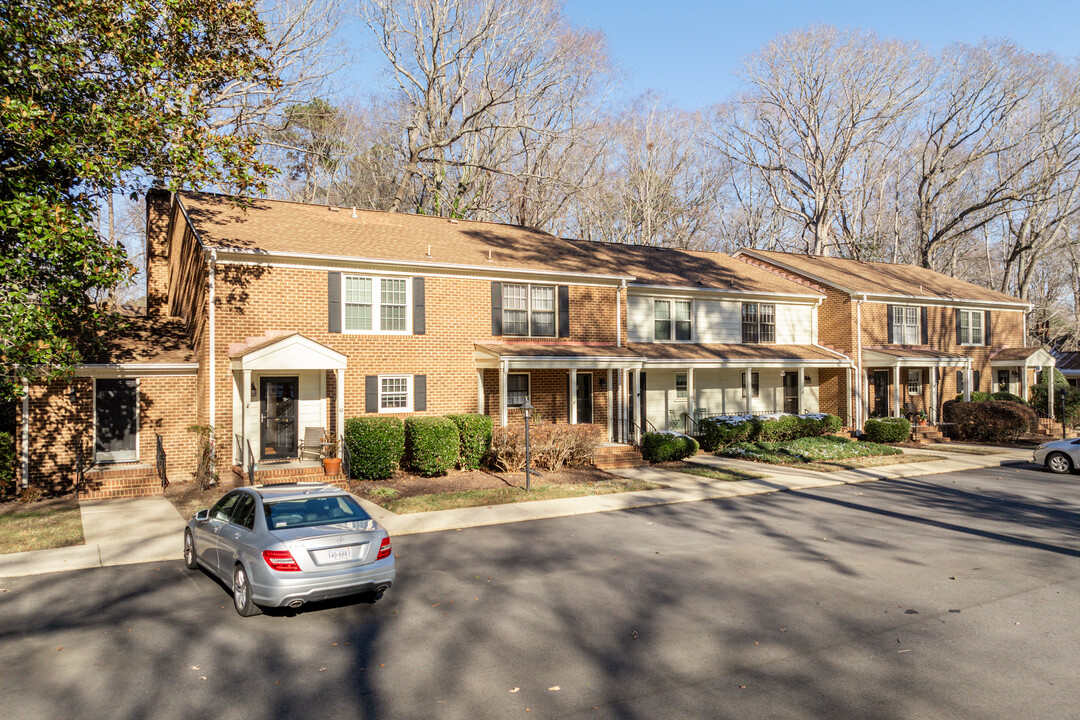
[307, 512]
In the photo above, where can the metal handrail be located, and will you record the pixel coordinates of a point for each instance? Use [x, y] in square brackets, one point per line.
[160, 460]
[693, 423]
[251, 466]
[240, 449]
[346, 457]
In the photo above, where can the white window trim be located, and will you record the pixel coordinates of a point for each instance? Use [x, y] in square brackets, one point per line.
[409, 390]
[376, 305]
[671, 318]
[676, 385]
[982, 329]
[920, 381]
[138, 426]
[529, 309]
[528, 388]
[902, 310]
[759, 341]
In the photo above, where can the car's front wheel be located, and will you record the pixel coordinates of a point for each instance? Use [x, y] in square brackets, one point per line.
[189, 551]
[242, 597]
[1059, 463]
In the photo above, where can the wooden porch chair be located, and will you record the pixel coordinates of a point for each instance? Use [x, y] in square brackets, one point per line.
[311, 447]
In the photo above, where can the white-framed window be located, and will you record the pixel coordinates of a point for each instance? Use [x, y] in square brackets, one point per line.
[529, 310]
[971, 327]
[375, 305]
[758, 323]
[681, 386]
[906, 330]
[116, 420]
[517, 389]
[395, 393]
[914, 382]
[672, 320]
[755, 384]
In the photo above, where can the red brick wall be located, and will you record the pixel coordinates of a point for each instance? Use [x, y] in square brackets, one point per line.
[547, 393]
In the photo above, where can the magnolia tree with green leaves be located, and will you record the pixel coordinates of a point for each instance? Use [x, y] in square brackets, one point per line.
[99, 97]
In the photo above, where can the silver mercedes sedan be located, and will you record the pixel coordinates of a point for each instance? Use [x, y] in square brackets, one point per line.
[1059, 456]
[289, 544]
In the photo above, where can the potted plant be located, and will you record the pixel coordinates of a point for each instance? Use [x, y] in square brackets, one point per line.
[921, 419]
[330, 461]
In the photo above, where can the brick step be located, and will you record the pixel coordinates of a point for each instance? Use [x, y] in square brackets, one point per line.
[123, 487]
[278, 476]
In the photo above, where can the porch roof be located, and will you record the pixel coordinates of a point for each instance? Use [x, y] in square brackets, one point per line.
[1034, 356]
[142, 345]
[737, 355]
[522, 356]
[289, 351]
[910, 356]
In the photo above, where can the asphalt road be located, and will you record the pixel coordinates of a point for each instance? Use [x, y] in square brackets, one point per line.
[952, 596]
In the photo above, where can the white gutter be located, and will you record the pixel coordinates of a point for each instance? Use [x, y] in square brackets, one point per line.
[618, 313]
[25, 433]
[213, 345]
[714, 290]
[135, 369]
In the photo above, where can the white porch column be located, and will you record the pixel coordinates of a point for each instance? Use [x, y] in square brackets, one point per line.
[622, 404]
[802, 388]
[896, 390]
[1024, 383]
[635, 403]
[968, 380]
[610, 409]
[339, 378]
[690, 396]
[480, 392]
[502, 393]
[573, 396]
[245, 413]
[748, 388]
[1048, 373]
[24, 451]
[933, 396]
[851, 395]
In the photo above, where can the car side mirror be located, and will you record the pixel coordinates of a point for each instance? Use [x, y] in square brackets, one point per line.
[203, 514]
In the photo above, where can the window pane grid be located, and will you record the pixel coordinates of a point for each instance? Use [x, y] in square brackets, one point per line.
[358, 305]
[758, 323]
[517, 389]
[394, 392]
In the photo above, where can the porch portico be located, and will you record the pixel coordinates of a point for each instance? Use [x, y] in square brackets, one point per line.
[896, 377]
[1013, 368]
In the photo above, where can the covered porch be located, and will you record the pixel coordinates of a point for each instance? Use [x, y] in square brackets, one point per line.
[285, 387]
[1015, 370]
[908, 381]
[577, 384]
[681, 383]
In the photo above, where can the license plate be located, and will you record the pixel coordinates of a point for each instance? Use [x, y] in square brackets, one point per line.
[338, 554]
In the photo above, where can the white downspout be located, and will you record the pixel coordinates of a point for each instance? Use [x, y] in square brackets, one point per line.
[25, 433]
[213, 344]
[859, 373]
[618, 313]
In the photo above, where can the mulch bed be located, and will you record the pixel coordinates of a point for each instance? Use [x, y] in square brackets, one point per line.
[407, 485]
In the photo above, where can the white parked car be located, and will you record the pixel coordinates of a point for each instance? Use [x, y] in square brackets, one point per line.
[1059, 456]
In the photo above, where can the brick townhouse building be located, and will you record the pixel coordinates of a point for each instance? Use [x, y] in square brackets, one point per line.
[266, 319]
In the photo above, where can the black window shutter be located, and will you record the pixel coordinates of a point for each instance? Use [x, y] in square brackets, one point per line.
[564, 311]
[959, 341]
[923, 326]
[419, 392]
[371, 393]
[333, 297]
[960, 381]
[496, 307]
[418, 326]
[974, 381]
[890, 313]
[986, 328]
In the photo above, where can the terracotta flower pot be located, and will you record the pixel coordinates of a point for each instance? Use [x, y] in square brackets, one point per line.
[332, 466]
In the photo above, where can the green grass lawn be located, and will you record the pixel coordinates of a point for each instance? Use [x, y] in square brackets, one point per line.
[40, 528]
[824, 454]
[501, 496]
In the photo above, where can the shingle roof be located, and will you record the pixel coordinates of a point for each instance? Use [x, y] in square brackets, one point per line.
[878, 278]
[555, 350]
[1068, 360]
[273, 226]
[144, 339]
[1020, 353]
[732, 352]
[908, 351]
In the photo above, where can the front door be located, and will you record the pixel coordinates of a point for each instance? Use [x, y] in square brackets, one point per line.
[791, 393]
[881, 394]
[584, 398]
[116, 420]
[277, 403]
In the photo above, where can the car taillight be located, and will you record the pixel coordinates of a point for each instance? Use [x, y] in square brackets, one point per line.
[384, 549]
[280, 560]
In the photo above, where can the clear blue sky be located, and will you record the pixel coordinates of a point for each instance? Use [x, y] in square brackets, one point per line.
[689, 50]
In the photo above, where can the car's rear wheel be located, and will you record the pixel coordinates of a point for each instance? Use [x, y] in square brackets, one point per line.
[189, 551]
[1059, 463]
[242, 593]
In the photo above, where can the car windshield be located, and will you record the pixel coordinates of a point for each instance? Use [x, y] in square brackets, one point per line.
[307, 512]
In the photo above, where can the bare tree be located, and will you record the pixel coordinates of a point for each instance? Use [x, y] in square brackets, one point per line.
[817, 98]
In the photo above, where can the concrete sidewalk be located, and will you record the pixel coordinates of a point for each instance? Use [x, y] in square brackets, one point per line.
[119, 532]
[116, 532]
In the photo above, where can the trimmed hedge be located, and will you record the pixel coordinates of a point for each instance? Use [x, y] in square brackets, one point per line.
[432, 445]
[666, 446]
[718, 432]
[976, 396]
[1007, 396]
[7, 458]
[376, 446]
[475, 433]
[887, 429]
[993, 421]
